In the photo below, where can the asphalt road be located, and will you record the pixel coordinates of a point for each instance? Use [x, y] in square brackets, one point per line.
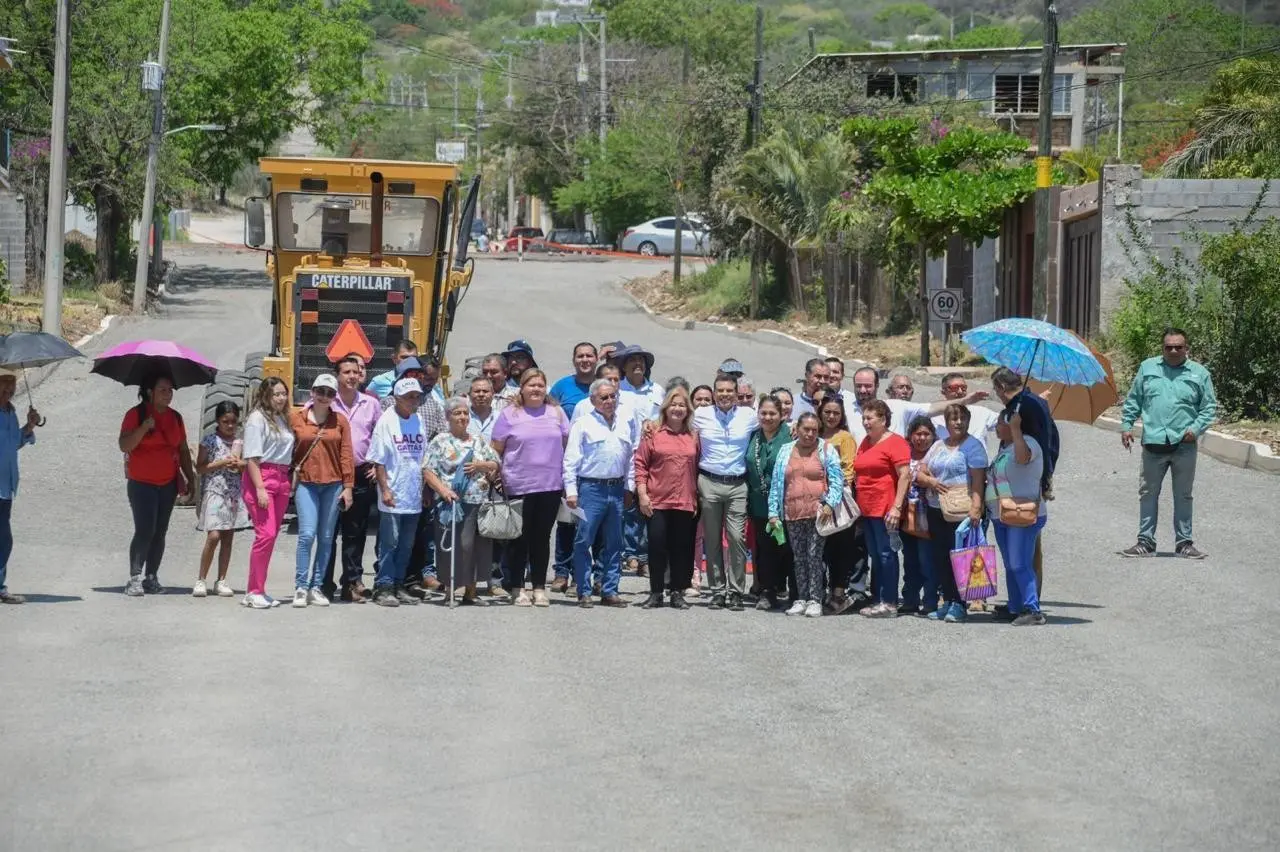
[1144, 716]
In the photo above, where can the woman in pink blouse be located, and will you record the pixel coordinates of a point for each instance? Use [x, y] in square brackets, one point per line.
[666, 491]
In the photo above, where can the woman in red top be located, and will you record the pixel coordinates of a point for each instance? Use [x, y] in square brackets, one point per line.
[153, 437]
[666, 490]
[882, 473]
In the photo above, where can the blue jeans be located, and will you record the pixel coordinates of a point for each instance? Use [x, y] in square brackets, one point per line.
[317, 514]
[1182, 463]
[603, 507]
[395, 545]
[919, 579]
[1018, 550]
[884, 561]
[565, 534]
[635, 536]
[6, 540]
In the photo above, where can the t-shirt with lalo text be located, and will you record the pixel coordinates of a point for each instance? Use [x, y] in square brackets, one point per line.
[399, 445]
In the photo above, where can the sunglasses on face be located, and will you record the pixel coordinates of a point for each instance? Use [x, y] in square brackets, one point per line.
[323, 391]
[1169, 348]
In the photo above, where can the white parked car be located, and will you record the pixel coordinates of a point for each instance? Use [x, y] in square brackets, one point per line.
[658, 237]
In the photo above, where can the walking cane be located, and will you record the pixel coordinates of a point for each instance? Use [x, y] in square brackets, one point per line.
[451, 549]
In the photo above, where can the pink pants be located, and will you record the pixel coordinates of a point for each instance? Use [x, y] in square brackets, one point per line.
[266, 522]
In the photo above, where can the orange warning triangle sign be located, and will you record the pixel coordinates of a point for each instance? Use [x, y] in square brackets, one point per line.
[349, 338]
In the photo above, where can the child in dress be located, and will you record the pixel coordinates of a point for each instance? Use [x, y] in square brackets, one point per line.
[222, 509]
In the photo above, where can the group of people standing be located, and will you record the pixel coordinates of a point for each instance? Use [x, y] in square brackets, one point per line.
[621, 473]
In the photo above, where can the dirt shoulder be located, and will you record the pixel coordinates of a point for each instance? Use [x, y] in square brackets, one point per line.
[80, 316]
[848, 343]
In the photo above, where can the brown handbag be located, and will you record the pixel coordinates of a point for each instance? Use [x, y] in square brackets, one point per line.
[1019, 513]
[913, 522]
[954, 503]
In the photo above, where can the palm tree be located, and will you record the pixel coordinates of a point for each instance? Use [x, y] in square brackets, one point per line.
[784, 185]
[1238, 126]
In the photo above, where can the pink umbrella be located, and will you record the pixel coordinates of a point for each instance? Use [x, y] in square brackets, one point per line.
[135, 361]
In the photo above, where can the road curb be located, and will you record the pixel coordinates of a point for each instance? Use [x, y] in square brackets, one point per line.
[763, 335]
[1236, 452]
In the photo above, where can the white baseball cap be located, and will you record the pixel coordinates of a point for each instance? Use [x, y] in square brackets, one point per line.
[407, 386]
[325, 380]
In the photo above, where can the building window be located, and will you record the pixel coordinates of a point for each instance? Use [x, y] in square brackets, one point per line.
[1062, 84]
[980, 87]
[1017, 93]
[898, 87]
[943, 86]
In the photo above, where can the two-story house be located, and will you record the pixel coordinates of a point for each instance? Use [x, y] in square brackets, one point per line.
[1004, 82]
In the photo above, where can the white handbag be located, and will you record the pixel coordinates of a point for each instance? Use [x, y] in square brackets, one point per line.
[500, 520]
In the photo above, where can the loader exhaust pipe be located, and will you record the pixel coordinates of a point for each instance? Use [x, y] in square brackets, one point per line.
[375, 221]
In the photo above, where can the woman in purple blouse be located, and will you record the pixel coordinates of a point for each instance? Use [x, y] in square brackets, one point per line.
[530, 436]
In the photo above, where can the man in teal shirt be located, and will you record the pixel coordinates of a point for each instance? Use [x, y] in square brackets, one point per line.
[1174, 398]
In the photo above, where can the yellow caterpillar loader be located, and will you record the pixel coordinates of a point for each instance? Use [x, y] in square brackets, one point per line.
[363, 254]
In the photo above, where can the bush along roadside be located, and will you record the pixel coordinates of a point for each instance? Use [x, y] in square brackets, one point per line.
[1227, 300]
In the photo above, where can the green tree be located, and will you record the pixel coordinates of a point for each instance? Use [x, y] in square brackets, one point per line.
[719, 32]
[785, 185]
[261, 68]
[1237, 126]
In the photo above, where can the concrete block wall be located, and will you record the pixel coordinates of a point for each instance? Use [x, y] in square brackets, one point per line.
[1167, 212]
[13, 230]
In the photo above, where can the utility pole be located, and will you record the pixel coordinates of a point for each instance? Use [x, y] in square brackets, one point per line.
[754, 126]
[1044, 165]
[153, 158]
[677, 251]
[604, 87]
[511, 154]
[55, 232]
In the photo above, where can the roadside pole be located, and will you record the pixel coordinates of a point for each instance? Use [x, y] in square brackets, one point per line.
[55, 230]
[754, 125]
[153, 157]
[1044, 166]
[677, 251]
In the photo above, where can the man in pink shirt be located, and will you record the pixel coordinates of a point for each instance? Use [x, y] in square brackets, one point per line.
[362, 411]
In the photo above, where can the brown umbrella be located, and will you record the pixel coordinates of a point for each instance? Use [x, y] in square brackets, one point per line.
[1079, 403]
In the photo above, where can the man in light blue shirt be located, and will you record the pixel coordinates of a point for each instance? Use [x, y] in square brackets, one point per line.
[724, 431]
[816, 375]
[483, 415]
[571, 391]
[12, 438]
[599, 480]
[380, 385]
[1173, 396]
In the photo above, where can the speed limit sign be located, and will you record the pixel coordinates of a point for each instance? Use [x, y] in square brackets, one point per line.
[946, 305]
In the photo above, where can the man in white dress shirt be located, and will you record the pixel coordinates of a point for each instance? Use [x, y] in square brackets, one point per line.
[724, 430]
[982, 420]
[644, 397]
[599, 479]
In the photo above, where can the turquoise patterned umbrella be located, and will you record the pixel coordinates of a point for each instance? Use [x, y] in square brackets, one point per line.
[1036, 349]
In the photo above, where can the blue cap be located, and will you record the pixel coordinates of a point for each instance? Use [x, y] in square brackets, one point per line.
[406, 364]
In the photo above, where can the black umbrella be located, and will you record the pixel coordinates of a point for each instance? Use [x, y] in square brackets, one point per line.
[23, 349]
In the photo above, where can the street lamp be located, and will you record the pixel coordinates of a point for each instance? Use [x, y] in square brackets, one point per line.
[207, 128]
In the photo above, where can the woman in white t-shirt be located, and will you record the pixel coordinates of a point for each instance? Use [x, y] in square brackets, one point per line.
[268, 452]
[958, 461]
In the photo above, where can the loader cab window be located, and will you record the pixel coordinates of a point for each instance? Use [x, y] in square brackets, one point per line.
[338, 224]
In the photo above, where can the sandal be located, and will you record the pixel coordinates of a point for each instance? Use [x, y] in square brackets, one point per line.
[541, 598]
[524, 599]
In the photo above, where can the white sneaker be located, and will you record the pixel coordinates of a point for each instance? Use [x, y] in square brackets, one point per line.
[315, 597]
[299, 598]
[223, 589]
[199, 590]
[259, 602]
[813, 610]
[797, 608]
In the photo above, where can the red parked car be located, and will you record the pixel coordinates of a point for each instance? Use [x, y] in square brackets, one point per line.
[532, 237]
